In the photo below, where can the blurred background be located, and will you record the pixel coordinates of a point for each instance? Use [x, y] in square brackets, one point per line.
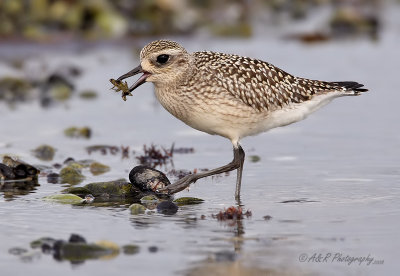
[62, 20]
[33, 27]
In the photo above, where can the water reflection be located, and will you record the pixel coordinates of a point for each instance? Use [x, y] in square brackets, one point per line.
[14, 188]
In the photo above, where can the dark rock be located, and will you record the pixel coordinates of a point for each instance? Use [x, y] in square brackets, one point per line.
[6, 172]
[46, 248]
[225, 256]
[17, 169]
[53, 178]
[69, 160]
[17, 251]
[42, 241]
[153, 249]
[76, 238]
[167, 208]
[148, 179]
[57, 166]
[267, 217]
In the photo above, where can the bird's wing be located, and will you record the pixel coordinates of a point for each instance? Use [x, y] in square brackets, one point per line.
[257, 83]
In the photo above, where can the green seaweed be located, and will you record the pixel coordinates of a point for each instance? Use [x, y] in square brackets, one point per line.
[64, 198]
[188, 201]
[79, 191]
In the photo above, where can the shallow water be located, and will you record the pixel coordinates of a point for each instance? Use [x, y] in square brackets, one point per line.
[341, 163]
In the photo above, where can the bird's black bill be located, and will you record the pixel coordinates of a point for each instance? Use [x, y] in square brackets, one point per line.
[133, 72]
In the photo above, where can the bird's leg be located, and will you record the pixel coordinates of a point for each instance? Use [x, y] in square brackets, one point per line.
[237, 163]
[241, 155]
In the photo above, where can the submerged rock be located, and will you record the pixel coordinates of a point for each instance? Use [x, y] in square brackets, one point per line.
[130, 249]
[150, 201]
[76, 249]
[76, 132]
[254, 158]
[137, 209]
[44, 152]
[148, 179]
[42, 241]
[17, 177]
[64, 199]
[167, 208]
[14, 169]
[79, 191]
[97, 168]
[76, 238]
[53, 178]
[17, 251]
[57, 88]
[117, 188]
[14, 90]
[78, 252]
[88, 94]
[71, 174]
[188, 201]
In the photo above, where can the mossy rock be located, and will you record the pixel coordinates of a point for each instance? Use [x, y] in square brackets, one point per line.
[76, 165]
[149, 198]
[60, 92]
[64, 199]
[88, 94]
[116, 188]
[79, 191]
[137, 209]
[97, 168]
[76, 132]
[39, 242]
[254, 158]
[188, 201]
[44, 152]
[14, 89]
[76, 252]
[130, 249]
[71, 174]
[150, 201]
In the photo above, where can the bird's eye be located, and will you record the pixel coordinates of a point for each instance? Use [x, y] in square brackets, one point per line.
[162, 59]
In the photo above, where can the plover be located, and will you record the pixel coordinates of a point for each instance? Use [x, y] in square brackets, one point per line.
[229, 95]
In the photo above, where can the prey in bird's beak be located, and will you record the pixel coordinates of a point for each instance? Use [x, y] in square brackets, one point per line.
[123, 86]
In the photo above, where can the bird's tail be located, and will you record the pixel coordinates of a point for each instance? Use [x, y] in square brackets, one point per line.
[351, 87]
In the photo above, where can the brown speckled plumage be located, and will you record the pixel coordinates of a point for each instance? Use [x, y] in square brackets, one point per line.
[256, 83]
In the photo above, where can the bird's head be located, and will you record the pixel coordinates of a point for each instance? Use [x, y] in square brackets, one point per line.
[162, 62]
